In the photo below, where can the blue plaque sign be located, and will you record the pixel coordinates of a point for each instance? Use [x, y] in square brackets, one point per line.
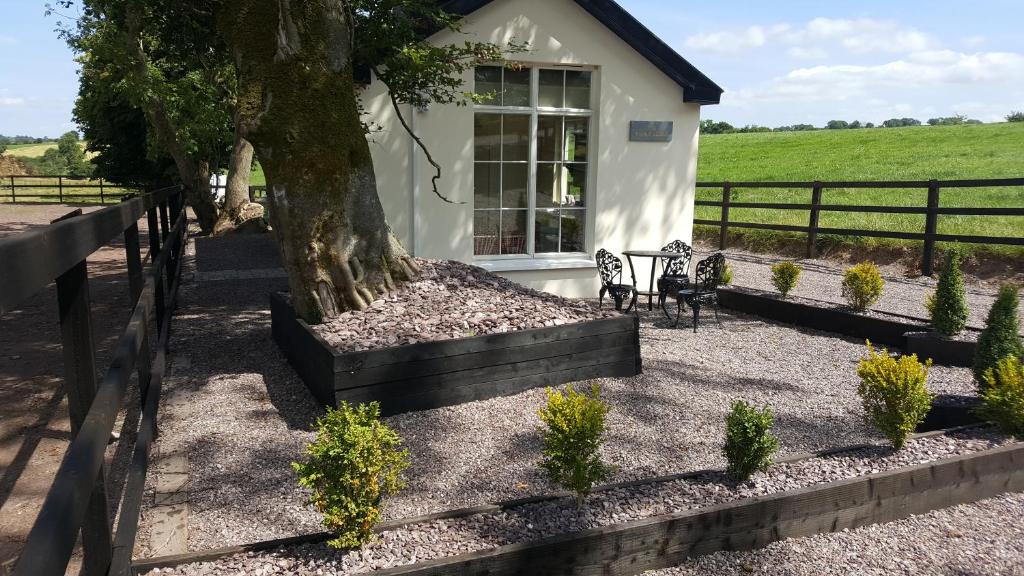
[647, 131]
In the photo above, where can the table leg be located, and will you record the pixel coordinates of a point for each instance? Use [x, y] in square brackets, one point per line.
[650, 289]
[632, 275]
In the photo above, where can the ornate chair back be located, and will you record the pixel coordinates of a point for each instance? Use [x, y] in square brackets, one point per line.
[679, 266]
[609, 267]
[709, 272]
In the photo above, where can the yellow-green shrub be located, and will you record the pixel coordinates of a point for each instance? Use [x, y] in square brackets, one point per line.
[574, 433]
[354, 462]
[784, 276]
[862, 285]
[894, 393]
[727, 274]
[1003, 396]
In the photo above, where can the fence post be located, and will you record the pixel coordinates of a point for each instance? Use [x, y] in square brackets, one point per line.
[80, 387]
[812, 233]
[136, 281]
[101, 196]
[14, 199]
[154, 253]
[930, 227]
[60, 188]
[724, 228]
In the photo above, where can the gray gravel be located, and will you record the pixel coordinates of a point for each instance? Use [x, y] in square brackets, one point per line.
[451, 300]
[418, 542]
[985, 537]
[821, 280]
[247, 414]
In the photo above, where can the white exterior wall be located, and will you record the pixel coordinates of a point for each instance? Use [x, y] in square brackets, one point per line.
[640, 195]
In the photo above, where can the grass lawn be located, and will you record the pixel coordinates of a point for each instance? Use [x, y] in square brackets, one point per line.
[30, 150]
[915, 153]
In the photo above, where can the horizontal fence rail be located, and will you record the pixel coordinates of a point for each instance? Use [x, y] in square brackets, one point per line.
[77, 501]
[61, 189]
[931, 210]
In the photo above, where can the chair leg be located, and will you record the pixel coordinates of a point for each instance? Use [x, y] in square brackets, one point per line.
[715, 302]
[632, 304]
[696, 314]
[679, 311]
[600, 296]
[618, 300]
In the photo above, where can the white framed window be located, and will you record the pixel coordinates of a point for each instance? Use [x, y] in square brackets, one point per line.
[532, 162]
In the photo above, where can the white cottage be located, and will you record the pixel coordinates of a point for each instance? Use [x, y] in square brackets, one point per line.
[591, 143]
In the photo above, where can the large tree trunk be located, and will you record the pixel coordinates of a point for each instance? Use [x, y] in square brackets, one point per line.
[297, 105]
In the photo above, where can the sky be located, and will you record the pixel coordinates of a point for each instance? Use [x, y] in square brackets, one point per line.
[780, 62]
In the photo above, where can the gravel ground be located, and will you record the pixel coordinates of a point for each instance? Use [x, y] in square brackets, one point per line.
[451, 300]
[245, 415]
[429, 540]
[985, 537]
[821, 280]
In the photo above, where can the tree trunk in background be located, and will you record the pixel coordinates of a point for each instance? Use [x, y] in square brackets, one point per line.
[237, 209]
[297, 105]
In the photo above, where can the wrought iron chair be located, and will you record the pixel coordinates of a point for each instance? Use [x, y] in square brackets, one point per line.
[704, 289]
[609, 267]
[675, 272]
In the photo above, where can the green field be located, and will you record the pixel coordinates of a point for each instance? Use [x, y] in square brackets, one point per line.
[30, 150]
[917, 153]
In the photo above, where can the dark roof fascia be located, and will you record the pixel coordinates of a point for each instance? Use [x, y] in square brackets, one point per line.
[697, 88]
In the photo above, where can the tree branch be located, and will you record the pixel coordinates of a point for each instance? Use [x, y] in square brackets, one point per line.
[430, 158]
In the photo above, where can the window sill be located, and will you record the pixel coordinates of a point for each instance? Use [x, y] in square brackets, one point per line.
[525, 264]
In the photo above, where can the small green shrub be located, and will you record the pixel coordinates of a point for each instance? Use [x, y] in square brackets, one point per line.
[894, 393]
[1002, 396]
[784, 276]
[727, 274]
[749, 444]
[354, 462]
[1000, 337]
[574, 433]
[949, 306]
[862, 285]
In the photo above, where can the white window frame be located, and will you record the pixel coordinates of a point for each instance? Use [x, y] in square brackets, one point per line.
[572, 259]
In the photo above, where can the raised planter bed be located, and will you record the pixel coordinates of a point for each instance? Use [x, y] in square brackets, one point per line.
[434, 374]
[907, 333]
[663, 540]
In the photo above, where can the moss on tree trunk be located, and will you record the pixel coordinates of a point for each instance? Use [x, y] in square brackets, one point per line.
[297, 106]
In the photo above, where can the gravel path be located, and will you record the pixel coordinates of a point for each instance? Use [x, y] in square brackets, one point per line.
[985, 537]
[451, 300]
[441, 538]
[246, 415]
[821, 280]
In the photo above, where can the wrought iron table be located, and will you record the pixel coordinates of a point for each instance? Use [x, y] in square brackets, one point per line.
[654, 255]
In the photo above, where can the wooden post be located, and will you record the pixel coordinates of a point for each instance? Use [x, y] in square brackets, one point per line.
[154, 253]
[724, 228]
[930, 227]
[60, 188]
[104, 202]
[165, 227]
[812, 234]
[80, 387]
[14, 199]
[136, 281]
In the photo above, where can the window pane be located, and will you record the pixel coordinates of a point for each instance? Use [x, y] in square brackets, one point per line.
[576, 132]
[546, 231]
[486, 185]
[577, 89]
[513, 231]
[575, 184]
[549, 189]
[549, 138]
[487, 79]
[486, 137]
[550, 89]
[516, 138]
[485, 232]
[513, 193]
[573, 226]
[516, 88]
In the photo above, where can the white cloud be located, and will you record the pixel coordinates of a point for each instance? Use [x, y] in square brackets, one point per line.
[11, 101]
[858, 35]
[802, 53]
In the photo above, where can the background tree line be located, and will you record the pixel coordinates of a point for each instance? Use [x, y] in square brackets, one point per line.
[718, 127]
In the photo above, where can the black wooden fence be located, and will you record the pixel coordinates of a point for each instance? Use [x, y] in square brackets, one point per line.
[77, 499]
[64, 189]
[931, 211]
